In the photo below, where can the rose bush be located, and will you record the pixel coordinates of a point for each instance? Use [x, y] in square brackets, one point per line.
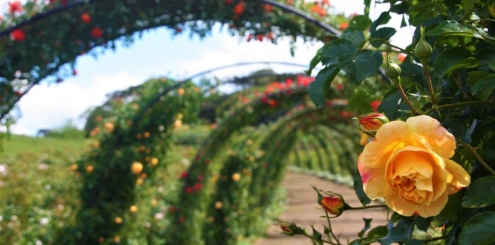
[408, 164]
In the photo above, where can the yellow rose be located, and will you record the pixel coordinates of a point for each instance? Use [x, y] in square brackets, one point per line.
[408, 164]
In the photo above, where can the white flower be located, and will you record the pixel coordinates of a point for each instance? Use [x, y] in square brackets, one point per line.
[44, 221]
[3, 169]
[158, 216]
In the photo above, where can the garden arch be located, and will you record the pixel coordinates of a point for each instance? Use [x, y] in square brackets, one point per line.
[54, 60]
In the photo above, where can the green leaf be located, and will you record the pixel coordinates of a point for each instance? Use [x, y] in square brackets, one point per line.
[423, 223]
[391, 103]
[335, 49]
[378, 232]
[400, 233]
[317, 236]
[358, 188]
[315, 60]
[453, 28]
[367, 225]
[359, 66]
[480, 193]
[475, 76]
[453, 59]
[489, 148]
[484, 87]
[355, 36]
[383, 19]
[360, 22]
[320, 87]
[478, 230]
[468, 7]
[452, 209]
[383, 34]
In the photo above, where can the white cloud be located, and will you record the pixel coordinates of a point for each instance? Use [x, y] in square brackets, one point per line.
[49, 106]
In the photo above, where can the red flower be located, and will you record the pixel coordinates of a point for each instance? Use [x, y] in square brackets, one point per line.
[332, 204]
[268, 8]
[184, 174]
[374, 105]
[198, 186]
[97, 32]
[325, 2]
[189, 190]
[18, 35]
[85, 18]
[15, 7]
[228, 2]
[259, 37]
[372, 121]
[239, 8]
[401, 57]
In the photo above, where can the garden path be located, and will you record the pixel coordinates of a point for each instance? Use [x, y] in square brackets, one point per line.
[301, 209]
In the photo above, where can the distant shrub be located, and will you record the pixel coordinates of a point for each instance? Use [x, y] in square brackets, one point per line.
[67, 131]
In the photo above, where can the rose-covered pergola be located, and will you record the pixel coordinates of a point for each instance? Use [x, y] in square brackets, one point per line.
[430, 152]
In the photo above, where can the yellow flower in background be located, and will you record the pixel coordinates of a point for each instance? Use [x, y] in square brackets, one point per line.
[408, 164]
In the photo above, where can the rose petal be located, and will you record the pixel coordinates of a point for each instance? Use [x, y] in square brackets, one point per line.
[388, 139]
[457, 177]
[429, 129]
[434, 208]
[409, 208]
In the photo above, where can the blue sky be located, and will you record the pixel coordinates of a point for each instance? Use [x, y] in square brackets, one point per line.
[159, 53]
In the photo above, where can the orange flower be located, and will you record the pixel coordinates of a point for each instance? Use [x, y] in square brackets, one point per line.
[408, 164]
[344, 25]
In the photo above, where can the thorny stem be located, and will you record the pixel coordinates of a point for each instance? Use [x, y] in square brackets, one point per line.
[430, 85]
[312, 239]
[404, 96]
[367, 207]
[330, 228]
[478, 157]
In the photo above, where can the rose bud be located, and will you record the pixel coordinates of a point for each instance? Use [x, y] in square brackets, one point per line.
[288, 228]
[372, 121]
[333, 204]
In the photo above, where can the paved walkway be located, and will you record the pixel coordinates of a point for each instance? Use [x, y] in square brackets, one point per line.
[301, 209]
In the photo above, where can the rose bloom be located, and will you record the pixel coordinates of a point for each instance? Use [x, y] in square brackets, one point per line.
[408, 164]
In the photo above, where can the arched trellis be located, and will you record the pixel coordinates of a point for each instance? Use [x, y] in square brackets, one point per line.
[191, 205]
[36, 75]
[73, 39]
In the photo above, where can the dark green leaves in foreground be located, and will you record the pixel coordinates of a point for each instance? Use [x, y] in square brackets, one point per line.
[478, 230]
[454, 59]
[319, 88]
[361, 65]
[480, 193]
[358, 188]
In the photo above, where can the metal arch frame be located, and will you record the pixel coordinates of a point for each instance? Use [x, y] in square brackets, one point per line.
[59, 9]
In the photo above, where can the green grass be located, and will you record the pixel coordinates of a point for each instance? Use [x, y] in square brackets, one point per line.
[19, 144]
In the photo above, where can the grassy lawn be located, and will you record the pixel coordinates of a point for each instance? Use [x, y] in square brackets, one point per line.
[20, 144]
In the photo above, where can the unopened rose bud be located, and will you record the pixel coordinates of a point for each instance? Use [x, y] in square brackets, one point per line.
[423, 49]
[333, 204]
[392, 70]
[372, 121]
[288, 228]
